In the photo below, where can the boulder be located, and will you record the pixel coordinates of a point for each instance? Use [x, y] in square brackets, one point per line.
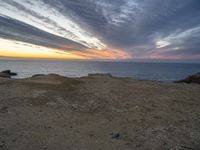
[4, 75]
[6, 71]
[13, 74]
[7, 74]
[195, 78]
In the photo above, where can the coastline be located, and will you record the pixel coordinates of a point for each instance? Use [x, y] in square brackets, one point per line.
[97, 112]
[137, 70]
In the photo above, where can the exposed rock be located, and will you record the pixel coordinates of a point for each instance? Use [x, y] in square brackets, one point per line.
[100, 75]
[195, 78]
[38, 75]
[7, 74]
[6, 71]
[4, 75]
[115, 135]
[13, 74]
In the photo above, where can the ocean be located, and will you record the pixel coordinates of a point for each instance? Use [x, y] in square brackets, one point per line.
[137, 70]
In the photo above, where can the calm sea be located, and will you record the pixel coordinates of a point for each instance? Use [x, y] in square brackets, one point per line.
[136, 70]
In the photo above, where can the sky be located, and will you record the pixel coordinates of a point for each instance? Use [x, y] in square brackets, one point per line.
[100, 29]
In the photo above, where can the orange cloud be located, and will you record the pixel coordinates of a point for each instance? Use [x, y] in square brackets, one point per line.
[103, 54]
[166, 56]
[24, 50]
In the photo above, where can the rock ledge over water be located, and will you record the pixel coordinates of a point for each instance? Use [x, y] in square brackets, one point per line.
[195, 78]
[7, 74]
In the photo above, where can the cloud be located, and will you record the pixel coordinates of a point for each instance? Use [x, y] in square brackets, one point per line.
[138, 28]
[46, 18]
[16, 30]
[161, 44]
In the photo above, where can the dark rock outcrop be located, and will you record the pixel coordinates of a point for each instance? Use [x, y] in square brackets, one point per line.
[99, 74]
[6, 71]
[4, 75]
[7, 74]
[195, 78]
[38, 75]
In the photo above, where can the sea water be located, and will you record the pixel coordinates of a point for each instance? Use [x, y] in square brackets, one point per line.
[137, 70]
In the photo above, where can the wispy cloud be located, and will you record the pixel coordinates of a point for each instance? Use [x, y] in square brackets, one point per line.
[46, 18]
[122, 28]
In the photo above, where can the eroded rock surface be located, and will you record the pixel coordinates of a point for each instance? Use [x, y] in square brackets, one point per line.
[98, 112]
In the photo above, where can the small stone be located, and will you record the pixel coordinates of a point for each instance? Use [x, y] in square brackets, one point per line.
[2, 144]
[91, 135]
[115, 135]
[4, 109]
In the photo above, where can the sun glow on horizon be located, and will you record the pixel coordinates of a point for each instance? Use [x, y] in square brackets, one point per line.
[24, 50]
[11, 48]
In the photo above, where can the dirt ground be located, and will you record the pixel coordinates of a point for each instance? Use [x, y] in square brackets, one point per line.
[98, 112]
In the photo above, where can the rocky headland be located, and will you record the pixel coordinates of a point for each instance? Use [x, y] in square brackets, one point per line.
[98, 112]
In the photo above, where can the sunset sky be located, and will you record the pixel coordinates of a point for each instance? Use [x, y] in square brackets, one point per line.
[100, 29]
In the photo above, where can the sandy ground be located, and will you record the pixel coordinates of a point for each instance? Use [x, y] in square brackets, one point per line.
[98, 113]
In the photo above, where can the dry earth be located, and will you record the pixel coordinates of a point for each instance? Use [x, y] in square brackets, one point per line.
[98, 112]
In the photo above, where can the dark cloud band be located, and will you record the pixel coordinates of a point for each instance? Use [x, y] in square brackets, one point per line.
[16, 30]
[139, 27]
